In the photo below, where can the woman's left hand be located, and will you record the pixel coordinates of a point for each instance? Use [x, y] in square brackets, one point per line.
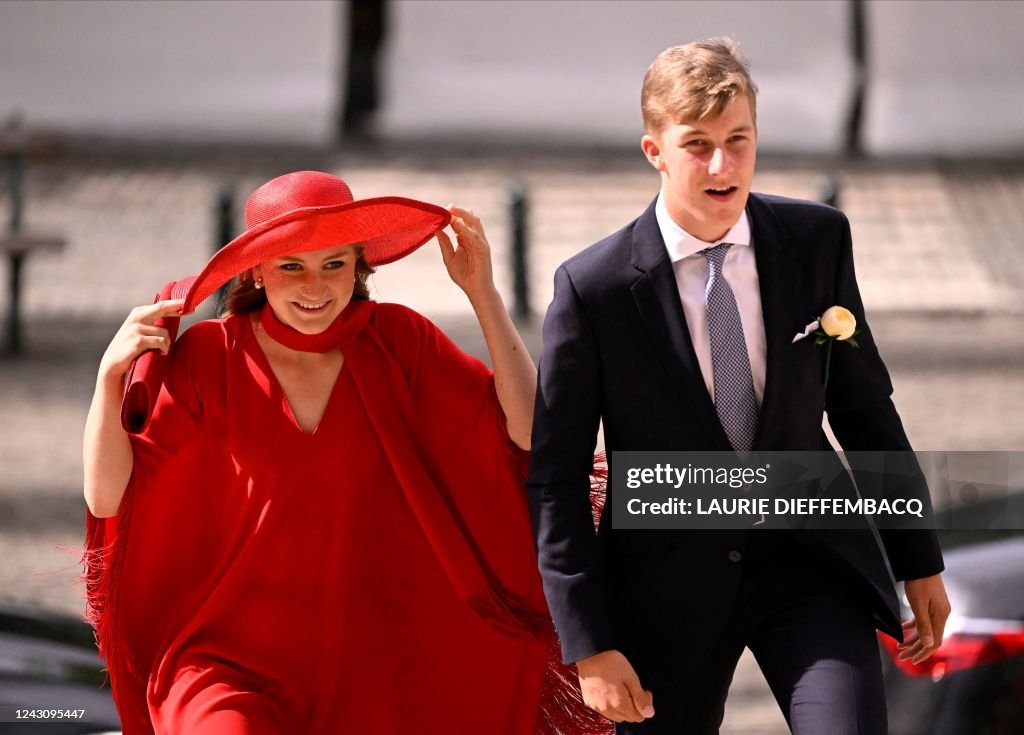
[469, 265]
[515, 375]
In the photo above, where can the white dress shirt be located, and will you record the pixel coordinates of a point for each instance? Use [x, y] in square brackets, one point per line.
[740, 271]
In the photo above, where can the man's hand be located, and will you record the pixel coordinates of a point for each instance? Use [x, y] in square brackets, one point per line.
[611, 687]
[928, 601]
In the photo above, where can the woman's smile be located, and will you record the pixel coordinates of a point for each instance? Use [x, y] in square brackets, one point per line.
[312, 308]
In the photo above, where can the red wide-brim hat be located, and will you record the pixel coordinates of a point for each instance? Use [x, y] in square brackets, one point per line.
[309, 210]
[305, 210]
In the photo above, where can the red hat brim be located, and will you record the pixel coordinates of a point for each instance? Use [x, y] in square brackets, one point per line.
[388, 228]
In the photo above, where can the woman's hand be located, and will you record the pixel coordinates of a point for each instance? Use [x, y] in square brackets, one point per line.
[138, 334]
[515, 375]
[469, 265]
[106, 449]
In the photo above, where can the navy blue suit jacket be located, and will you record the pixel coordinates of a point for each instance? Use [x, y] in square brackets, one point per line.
[617, 350]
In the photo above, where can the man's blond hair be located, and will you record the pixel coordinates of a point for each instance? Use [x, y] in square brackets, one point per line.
[694, 82]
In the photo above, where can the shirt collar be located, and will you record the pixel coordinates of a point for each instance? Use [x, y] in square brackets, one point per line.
[681, 244]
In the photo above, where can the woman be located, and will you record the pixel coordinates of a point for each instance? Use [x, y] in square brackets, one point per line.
[320, 526]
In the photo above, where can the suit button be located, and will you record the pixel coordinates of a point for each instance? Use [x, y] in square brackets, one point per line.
[735, 555]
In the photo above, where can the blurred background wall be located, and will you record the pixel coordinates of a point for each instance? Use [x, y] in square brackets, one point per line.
[571, 71]
[233, 70]
[941, 77]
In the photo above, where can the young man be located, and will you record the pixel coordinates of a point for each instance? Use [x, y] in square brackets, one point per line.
[677, 333]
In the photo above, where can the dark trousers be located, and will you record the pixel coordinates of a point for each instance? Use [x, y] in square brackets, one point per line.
[810, 627]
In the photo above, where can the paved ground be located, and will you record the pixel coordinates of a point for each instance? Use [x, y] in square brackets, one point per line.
[938, 255]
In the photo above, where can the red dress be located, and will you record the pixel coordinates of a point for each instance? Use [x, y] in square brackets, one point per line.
[260, 579]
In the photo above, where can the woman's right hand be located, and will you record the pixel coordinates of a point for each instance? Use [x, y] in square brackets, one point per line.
[138, 334]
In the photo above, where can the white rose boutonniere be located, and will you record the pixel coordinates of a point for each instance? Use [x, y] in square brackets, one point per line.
[837, 324]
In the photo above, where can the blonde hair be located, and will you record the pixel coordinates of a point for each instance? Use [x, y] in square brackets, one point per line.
[694, 82]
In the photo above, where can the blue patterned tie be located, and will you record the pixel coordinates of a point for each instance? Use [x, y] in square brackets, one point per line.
[735, 401]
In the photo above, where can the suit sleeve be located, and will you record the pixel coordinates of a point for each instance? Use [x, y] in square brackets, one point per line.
[565, 425]
[864, 418]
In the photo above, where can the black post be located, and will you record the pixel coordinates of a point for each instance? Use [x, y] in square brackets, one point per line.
[15, 180]
[13, 346]
[859, 52]
[367, 25]
[828, 191]
[517, 204]
[224, 217]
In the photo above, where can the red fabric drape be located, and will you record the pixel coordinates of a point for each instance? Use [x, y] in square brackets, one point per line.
[195, 537]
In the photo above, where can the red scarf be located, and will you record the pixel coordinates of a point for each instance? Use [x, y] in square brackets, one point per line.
[340, 333]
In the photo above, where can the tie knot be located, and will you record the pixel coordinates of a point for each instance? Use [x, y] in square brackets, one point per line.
[716, 255]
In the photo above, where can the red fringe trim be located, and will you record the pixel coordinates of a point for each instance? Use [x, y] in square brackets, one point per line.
[102, 563]
[598, 486]
[562, 710]
[510, 614]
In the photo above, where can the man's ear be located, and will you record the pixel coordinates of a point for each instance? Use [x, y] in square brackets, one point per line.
[652, 150]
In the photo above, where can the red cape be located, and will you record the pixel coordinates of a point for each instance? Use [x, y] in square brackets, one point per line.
[205, 588]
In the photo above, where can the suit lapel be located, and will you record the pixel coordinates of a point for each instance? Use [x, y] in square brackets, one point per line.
[779, 274]
[657, 299]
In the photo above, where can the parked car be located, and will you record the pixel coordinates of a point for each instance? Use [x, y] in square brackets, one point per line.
[974, 683]
[47, 662]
